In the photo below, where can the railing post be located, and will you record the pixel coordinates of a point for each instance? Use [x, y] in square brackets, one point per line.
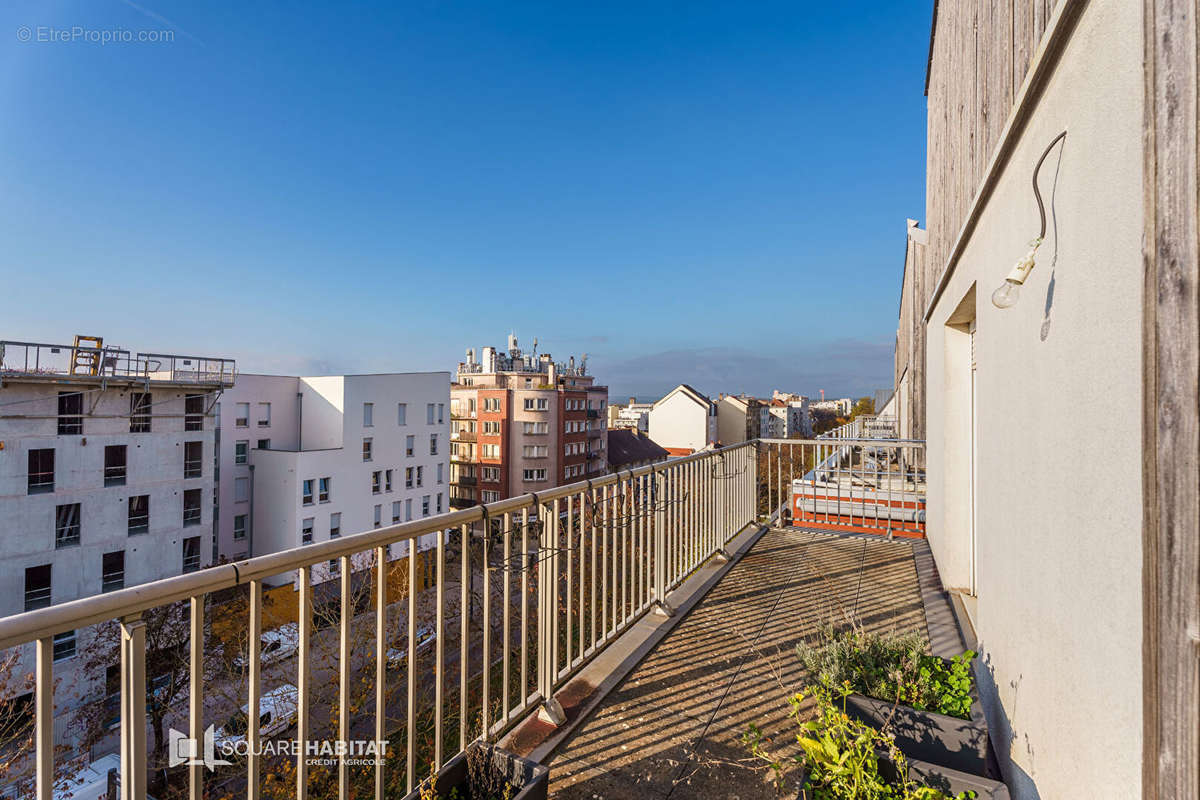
[196, 693]
[550, 711]
[44, 723]
[133, 708]
[660, 546]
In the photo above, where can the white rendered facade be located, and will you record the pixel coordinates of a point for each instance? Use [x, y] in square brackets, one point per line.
[345, 454]
[683, 420]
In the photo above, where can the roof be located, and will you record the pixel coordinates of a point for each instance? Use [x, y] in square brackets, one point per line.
[626, 446]
[679, 451]
[688, 391]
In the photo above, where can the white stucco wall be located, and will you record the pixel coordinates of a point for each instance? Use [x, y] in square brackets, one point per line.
[1057, 416]
[679, 421]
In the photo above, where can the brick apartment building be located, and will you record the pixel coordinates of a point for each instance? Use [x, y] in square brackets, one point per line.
[521, 422]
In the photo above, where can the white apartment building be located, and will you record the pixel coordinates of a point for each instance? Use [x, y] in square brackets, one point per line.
[683, 421]
[106, 478]
[842, 407]
[633, 415]
[306, 459]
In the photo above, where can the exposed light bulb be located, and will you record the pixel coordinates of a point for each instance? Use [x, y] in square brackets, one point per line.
[1007, 295]
[1010, 291]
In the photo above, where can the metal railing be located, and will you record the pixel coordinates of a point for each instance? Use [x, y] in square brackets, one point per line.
[560, 574]
[32, 359]
[844, 483]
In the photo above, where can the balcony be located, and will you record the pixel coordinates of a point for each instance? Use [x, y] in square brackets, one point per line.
[464, 480]
[463, 502]
[567, 575]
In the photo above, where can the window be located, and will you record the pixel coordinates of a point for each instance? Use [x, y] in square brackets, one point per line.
[441, 413]
[425, 506]
[139, 514]
[306, 492]
[491, 404]
[395, 511]
[433, 441]
[490, 496]
[191, 553]
[264, 415]
[114, 465]
[536, 428]
[37, 587]
[489, 451]
[306, 530]
[492, 427]
[535, 474]
[378, 515]
[387, 480]
[535, 451]
[41, 471]
[242, 419]
[368, 415]
[410, 443]
[64, 645]
[335, 525]
[439, 502]
[241, 449]
[70, 411]
[407, 510]
[112, 571]
[430, 410]
[408, 477]
[535, 404]
[191, 507]
[263, 444]
[241, 490]
[323, 490]
[491, 474]
[420, 476]
[367, 449]
[239, 527]
[335, 567]
[441, 472]
[139, 412]
[193, 412]
[66, 525]
[375, 482]
[193, 459]
[402, 414]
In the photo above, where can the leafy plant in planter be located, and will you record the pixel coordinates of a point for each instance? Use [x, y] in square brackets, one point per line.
[843, 758]
[485, 772]
[894, 667]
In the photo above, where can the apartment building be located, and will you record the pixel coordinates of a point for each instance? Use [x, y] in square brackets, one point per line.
[107, 477]
[841, 407]
[522, 422]
[1065, 533]
[632, 415]
[683, 421]
[740, 418]
[306, 459]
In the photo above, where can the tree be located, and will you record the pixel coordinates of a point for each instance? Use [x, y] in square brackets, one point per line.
[864, 405]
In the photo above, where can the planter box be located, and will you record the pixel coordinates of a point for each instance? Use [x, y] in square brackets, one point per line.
[959, 744]
[949, 781]
[531, 779]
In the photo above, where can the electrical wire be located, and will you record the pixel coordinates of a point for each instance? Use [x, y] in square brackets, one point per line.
[1037, 192]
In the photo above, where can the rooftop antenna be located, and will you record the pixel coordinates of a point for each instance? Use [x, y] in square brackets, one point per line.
[535, 348]
[583, 365]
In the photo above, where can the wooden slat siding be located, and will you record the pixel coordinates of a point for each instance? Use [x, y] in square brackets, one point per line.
[1171, 387]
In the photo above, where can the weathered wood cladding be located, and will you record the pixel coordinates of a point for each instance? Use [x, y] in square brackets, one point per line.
[979, 58]
[910, 335]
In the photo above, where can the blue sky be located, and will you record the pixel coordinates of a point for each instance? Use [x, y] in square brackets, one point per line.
[711, 193]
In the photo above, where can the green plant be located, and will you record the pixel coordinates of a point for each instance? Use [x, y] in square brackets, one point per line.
[841, 756]
[891, 666]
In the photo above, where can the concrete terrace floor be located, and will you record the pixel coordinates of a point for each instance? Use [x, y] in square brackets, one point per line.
[673, 727]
